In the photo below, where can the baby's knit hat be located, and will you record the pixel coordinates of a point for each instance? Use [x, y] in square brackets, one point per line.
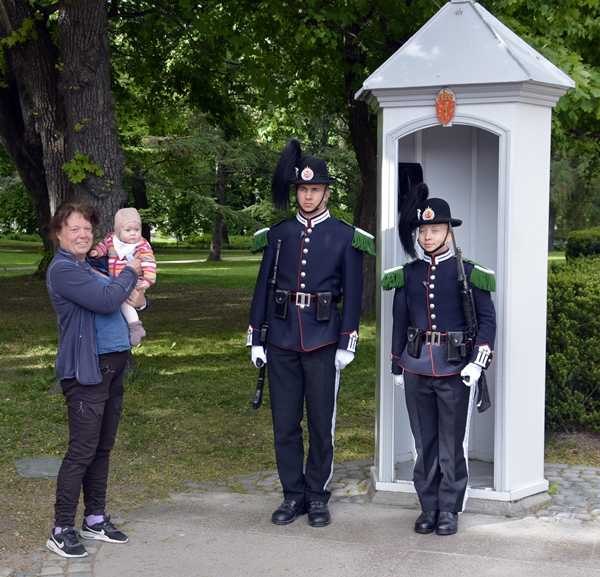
[124, 216]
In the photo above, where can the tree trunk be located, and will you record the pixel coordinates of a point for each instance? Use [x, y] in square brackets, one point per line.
[364, 139]
[85, 86]
[551, 227]
[217, 233]
[32, 114]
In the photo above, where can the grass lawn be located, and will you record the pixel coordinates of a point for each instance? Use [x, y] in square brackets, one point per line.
[556, 256]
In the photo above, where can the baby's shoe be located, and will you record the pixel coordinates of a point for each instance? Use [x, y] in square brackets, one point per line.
[136, 333]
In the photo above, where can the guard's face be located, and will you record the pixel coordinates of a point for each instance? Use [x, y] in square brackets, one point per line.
[311, 196]
[431, 236]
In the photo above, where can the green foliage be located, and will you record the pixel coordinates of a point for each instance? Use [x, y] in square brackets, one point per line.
[81, 125]
[573, 348]
[16, 211]
[80, 166]
[25, 32]
[583, 243]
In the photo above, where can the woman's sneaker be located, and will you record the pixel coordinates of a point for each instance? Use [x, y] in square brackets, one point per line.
[66, 543]
[103, 531]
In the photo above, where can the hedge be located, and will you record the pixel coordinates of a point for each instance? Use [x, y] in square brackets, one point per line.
[583, 243]
[573, 346]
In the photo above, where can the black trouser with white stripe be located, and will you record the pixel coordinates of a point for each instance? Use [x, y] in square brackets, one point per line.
[294, 377]
[439, 410]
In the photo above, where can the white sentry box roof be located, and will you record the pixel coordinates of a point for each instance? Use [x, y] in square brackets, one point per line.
[475, 48]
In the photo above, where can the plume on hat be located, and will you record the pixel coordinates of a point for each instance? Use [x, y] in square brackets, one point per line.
[413, 200]
[285, 172]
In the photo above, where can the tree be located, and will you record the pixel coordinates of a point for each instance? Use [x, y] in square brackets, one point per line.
[56, 109]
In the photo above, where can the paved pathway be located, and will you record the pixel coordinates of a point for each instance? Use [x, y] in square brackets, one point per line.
[575, 502]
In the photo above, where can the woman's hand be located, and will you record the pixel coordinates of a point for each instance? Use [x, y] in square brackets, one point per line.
[137, 298]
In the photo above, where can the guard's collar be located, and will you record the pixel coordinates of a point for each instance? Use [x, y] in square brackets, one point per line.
[438, 258]
[321, 217]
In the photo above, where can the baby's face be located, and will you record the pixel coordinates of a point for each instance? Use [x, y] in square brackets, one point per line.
[131, 233]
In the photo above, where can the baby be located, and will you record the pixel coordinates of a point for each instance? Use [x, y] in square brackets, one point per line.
[120, 247]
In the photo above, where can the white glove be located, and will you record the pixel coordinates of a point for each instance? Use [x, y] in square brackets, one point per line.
[399, 381]
[259, 354]
[470, 374]
[343, 358]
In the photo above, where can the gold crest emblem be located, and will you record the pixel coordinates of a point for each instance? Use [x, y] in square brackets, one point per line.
[445, 105]
[428, 214]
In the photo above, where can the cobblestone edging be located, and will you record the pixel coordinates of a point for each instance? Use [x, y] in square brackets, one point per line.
[575, 501]
[575, 495]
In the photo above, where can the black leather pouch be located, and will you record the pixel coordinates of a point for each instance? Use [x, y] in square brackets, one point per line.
[453, 342]
[323, 306]
[415, 342]
[282, 303]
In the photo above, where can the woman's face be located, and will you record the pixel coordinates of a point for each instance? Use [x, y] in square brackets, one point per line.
[76, 235]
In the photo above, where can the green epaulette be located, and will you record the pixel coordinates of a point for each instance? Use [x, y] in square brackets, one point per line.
[261, 240]
[393, 278]
[481, 277]
[362, 239]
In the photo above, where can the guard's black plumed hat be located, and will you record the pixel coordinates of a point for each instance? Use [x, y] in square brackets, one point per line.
[434, 211]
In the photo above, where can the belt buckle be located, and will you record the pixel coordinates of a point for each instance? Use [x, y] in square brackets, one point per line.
[433, 338]
[303, 299]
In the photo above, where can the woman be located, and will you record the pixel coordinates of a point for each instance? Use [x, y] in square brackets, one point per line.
[92, 354]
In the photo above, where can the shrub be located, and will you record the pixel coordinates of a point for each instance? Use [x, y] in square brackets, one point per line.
[583, 243]
[573, 347]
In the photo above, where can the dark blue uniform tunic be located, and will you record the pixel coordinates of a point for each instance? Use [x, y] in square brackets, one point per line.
[439, 404]
[316, 256]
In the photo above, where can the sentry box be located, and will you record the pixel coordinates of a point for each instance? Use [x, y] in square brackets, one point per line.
[466, 105]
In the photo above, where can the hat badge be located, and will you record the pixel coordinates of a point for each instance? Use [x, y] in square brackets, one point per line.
[428, 214]
[307, 173]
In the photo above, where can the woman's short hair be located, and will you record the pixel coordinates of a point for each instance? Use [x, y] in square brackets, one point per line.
[66, 209]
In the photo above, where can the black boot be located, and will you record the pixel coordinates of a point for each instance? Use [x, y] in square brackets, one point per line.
[447, 523]
[318, 514]
[426, 522]
[287, 512]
